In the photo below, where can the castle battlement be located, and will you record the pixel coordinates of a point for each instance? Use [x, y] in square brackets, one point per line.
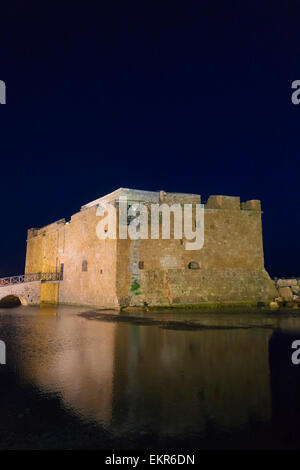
[157, 197]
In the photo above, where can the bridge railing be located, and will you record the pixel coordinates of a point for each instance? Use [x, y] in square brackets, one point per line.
[6, 281]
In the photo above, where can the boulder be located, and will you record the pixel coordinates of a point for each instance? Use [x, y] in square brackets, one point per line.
[296, 290]
[285, 293]
[274, 305]
[287, 282]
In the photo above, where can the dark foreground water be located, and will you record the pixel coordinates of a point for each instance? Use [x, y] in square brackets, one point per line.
[193, 380]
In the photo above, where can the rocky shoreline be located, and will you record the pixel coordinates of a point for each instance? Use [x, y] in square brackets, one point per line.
[288, 293]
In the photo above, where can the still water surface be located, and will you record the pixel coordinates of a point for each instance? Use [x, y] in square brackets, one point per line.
[196, 380]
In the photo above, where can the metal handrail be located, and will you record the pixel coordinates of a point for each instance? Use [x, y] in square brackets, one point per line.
[6, 281]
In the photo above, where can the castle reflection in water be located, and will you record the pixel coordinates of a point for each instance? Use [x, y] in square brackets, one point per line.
[131, 378]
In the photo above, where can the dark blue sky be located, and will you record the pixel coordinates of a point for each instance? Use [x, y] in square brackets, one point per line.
[181, 96]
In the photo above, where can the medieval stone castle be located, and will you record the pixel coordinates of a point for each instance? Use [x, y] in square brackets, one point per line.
[118, 273]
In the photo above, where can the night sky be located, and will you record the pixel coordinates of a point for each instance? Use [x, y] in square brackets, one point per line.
[180, 96]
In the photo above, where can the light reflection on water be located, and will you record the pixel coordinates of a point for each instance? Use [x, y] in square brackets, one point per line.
[133, 379]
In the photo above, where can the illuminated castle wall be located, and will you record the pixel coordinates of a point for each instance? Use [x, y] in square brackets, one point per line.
[103, 273]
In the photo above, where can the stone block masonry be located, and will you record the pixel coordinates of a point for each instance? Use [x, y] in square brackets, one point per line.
[137, 273]
[288, 290]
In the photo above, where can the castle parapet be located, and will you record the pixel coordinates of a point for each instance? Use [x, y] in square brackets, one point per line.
[32, 232]
[252, 205]
[223, 202]
[179, 198]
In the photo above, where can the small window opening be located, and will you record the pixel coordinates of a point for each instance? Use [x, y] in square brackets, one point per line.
[61, 274]
[84, 265]
[193, 265]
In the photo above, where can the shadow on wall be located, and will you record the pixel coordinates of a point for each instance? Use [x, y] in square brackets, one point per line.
[10, 301]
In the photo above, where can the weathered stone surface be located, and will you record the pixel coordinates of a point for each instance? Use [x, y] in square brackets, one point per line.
[285, 293]
[274, 305]
[287, 282]
[296, 289]
[254, 204]
[223, 202]
[49, 292]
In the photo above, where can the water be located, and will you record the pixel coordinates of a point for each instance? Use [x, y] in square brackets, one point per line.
[197, 380]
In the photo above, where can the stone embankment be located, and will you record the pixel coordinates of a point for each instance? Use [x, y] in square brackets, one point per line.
[288, 293]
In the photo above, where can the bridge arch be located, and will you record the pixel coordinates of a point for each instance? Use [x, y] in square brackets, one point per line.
[12, 300]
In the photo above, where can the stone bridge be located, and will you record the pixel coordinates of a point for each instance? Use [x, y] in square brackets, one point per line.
[29, 293]
[27, 289]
